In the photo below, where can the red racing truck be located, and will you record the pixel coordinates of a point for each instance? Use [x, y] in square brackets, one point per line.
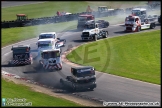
[82, 19]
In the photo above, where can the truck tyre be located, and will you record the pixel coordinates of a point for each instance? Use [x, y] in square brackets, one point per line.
[106, 35]
[152, 26]
[60, 69]
[61, 81]
[92, 88]
[138, 29]
[10, 63]
[95, 37]
[73, 87]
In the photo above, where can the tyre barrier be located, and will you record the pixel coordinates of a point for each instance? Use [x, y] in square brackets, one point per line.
[66, 18]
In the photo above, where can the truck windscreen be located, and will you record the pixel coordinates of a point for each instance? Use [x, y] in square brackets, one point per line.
[44, 36]
[20, 50]
[136, 12]
[85, 73]
[44, 45]
[84, 19]
[47, 55]
[89, 26]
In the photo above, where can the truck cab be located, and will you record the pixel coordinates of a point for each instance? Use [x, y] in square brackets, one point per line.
[46, 43]
[135, 24]
[21, 55]
[82, 19]
[50, 59]
[81, 78]
[102, 9]
[92, 32]
[47, 35]
[141, 12]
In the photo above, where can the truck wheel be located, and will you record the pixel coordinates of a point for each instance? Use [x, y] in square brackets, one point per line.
[73, 87]
[152, 26]
[138, 29]
[92, 89]
[60, 69]
[10, 63]
[61, 81]
[106, 35]
[95, 38]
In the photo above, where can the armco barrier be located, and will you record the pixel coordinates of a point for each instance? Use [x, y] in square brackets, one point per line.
[65, 18]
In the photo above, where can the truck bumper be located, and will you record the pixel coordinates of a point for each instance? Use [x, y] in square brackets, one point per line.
[131, 29]
[18, 62]
[87, 38]
[69, 84]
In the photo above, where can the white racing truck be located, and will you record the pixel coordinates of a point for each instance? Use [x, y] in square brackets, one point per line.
[50, 59]
[82, 78]
[142, 13]
[135, 24]
[92, 32]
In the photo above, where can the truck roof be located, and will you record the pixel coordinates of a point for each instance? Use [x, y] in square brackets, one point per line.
[132, 16]
[85, 15]
[46, 39]
[48, 33]
[141, 9]
[90, 22]
[83, 67]
[102, 6]
[22, 46]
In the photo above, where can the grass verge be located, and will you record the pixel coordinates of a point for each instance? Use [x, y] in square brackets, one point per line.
[135, 56]
[12, 90]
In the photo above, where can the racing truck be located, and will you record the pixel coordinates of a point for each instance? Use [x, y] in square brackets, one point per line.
[49, 43]
[82, 19]
[92, 32]
[51, 35]
[102, 23]
[142, 13]
[135, 24]
[82, 78]
[50, 59]
[21, 55]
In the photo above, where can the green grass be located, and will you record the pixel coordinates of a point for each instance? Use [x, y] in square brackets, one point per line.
[50, 8]
[12, 90]
[135, 56]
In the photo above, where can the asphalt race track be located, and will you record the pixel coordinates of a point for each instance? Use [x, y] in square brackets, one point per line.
[109, 87]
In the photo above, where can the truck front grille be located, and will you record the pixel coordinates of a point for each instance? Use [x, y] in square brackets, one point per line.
[129, 28]
[85, 34]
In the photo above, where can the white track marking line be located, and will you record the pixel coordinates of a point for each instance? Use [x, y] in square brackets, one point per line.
[7, 53]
